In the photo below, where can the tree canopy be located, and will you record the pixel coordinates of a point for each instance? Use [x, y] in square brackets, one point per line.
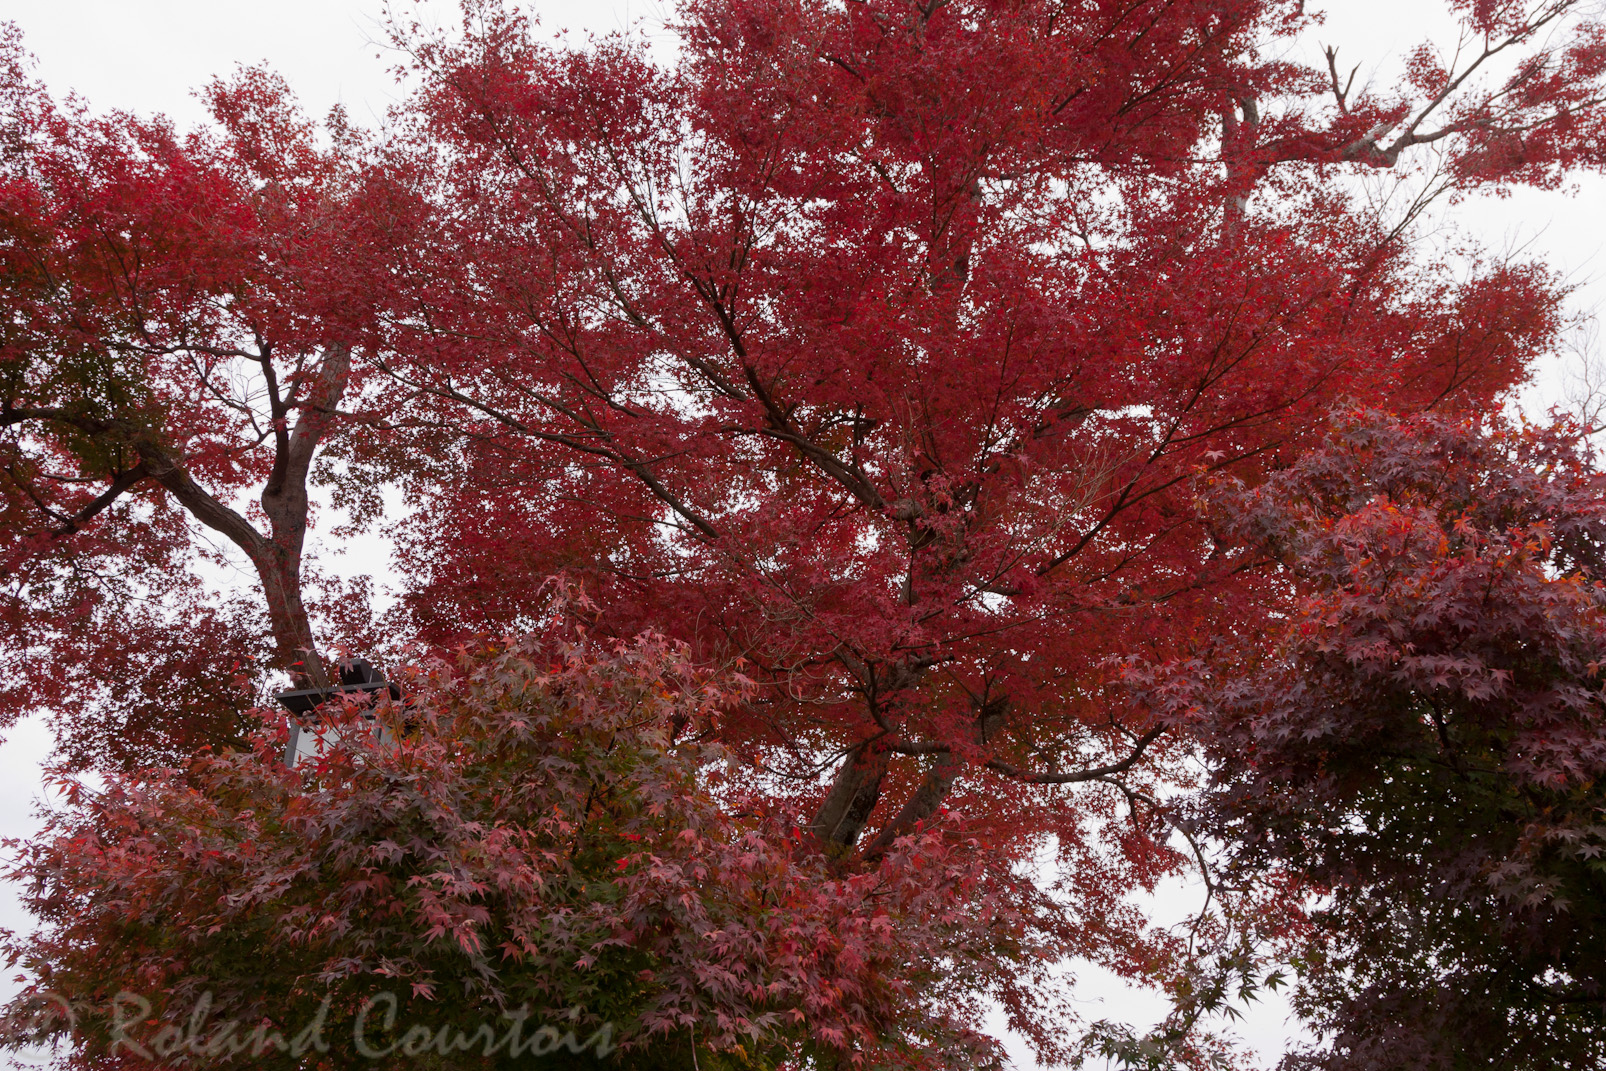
[891, 354]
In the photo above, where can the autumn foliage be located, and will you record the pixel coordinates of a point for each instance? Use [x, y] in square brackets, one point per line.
[1425, 741]
[553, 832]
[894, 355]
[180, 316]
[877, 345]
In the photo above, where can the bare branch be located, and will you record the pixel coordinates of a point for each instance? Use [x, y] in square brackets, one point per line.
[1094, 774]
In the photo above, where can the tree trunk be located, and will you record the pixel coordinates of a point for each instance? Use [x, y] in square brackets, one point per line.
[854, 793]
[280, 574]
[277, 555]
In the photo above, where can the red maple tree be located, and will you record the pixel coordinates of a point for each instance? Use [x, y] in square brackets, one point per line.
[552, 839]
[877, 344]
[180, 317]
[1424, 743]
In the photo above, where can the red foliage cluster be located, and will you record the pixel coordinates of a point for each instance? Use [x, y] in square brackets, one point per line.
[876, 344]
[180, 313]
[549, 828]
[1425, 744]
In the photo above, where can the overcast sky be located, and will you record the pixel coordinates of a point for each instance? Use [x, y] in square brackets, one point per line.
[148, 56]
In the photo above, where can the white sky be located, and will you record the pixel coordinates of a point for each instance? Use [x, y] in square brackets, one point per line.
[148, 55]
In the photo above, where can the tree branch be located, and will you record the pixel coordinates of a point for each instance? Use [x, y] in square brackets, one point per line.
[1094, 774]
